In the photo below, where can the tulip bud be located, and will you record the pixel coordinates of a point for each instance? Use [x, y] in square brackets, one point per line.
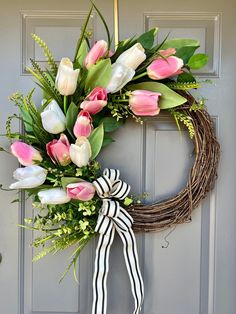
[95, 101]
[97, 52]
[28, 177]
[120, 76]
[83, 125]
[83, 191]
[66, 79]
[144, 103]
[53, 119]
[167, 52]
[53, 196]
[163, 68]
[132, 57]
[27, 155]
[58, 150]
[80, 152]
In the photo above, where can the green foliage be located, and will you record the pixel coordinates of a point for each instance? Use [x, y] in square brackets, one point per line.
[107, 140]
[82, 52]
[110, 124]
[168, 99]
[71, 116]
[198, 61]
[68, 180]
[105, 25]
[186, 78]
[45, 82]
[82, 36]
[196, 106]
[47, 53]
[181, 116]
[183, 86]
[185, 53]
[147, 39]
[99, 74]
[178, 43]
[96, 140]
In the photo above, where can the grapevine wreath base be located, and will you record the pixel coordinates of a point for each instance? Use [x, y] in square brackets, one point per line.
[176, 210]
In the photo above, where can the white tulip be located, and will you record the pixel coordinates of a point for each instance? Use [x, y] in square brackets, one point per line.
[80, 152]
[53, 196]
[29, 177]
[120, 76]
[53, 118]
[132, 57]
[66, 80]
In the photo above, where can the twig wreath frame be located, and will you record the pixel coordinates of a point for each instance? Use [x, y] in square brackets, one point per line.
[176, 210]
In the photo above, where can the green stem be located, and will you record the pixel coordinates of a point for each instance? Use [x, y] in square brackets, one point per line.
[138, 76]
[65, 104]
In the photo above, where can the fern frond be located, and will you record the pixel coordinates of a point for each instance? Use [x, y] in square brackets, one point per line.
[46, 83]
[183, 86]
[198, 105]
[50, 59]
[185, 119]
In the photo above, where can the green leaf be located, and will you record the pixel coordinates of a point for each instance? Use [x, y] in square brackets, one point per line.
[186, 78]
[107, 140]
[83, 50]
[178, 43]
[168, 99]
[110, 124]
[185, 53]
[79, 43]
[96, 140]
[147, 39]
[71, 117]
[105, 25]
[26, 119]
[99, 74]
[68, 180]
[198, 61]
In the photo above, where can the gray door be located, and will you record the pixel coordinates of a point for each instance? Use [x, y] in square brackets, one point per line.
[195, 274]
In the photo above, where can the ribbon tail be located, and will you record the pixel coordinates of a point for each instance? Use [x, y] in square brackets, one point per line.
[132, 264]
[101, 269]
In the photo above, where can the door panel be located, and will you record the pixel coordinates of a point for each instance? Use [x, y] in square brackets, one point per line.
[195, 273]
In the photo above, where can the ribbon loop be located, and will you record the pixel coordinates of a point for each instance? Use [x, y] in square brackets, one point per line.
[113, 217]
[110, 208]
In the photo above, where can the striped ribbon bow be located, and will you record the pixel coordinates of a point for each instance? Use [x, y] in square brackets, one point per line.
[113, 217]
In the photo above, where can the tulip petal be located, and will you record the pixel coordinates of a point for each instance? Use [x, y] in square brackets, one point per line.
[53, 196]
[121, 75]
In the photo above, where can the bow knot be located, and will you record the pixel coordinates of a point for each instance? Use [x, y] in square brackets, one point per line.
[110, 186]
[113, 217]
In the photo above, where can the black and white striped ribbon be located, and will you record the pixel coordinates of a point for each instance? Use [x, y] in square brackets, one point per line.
[113, 217]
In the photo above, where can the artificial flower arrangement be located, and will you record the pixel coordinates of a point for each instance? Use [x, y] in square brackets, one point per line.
[83, 102]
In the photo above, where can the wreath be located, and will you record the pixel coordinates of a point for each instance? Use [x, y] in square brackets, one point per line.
[83, 102]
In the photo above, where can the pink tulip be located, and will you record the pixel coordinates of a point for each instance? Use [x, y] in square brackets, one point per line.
[27, 155]
[83, 191]
[83, 125]
[162, 68]
[144, 103]
[98, 51]
[95, 101]
[58, 150]
[168, 52]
